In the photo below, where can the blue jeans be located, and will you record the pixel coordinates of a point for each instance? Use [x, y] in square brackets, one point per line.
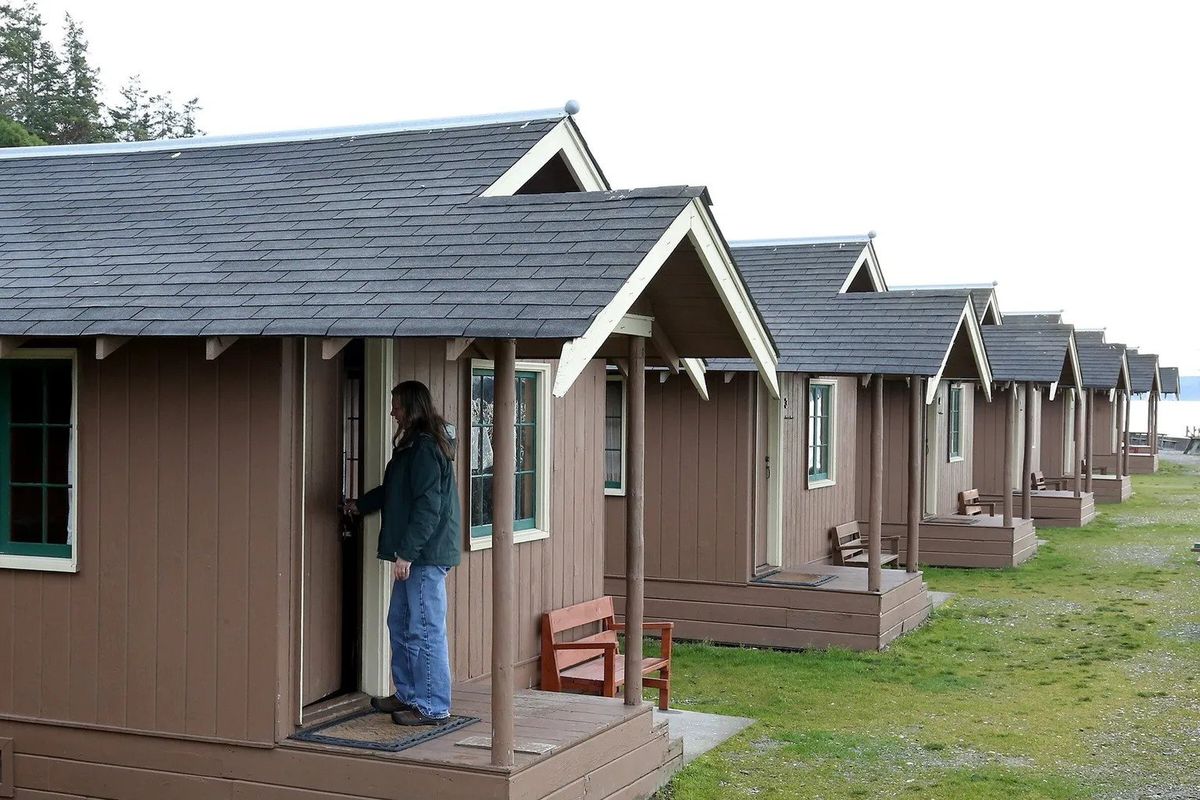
[420, 654]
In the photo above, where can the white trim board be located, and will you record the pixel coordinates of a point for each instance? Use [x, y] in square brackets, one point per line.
[975, 336]
[563, 138]
[695, 223]
[866, 260]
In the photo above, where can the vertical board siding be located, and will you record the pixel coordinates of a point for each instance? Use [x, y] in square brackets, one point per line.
[1105, 427]
[700, 494]
[989, 444]
[153, 633]
[956, 476]
[1054, 429]
[808, 514]
[553, 572]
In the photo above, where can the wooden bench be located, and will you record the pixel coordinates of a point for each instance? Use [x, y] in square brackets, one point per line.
[969, 503]
[594, 664]
[1038, 482]
[850, 548]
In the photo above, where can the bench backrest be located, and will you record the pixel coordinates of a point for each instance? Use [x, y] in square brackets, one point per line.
[968, 502]
[566, 619]
[1037, 481]
[844, 534]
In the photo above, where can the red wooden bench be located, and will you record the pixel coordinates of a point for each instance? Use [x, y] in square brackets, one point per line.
[969, 503]
[850, 548]
[594, 664]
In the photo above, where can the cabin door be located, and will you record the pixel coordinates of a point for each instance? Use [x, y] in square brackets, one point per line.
[768, 516]
[933, 452]
[331, 643]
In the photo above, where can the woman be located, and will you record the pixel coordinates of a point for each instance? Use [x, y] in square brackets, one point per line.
[419, 532]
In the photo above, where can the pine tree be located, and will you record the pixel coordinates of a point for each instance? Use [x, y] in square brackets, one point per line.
[31, 78]
[80, 114]
[131, 119]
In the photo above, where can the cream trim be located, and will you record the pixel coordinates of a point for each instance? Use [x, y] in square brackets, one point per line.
[868, 261]
[50, 563]
[695, 223]
[609, 492]
[562, 138]
[695, 369]
[975, 336]
[376, 678]
[831, 480]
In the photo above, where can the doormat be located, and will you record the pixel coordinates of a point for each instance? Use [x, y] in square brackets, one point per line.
[794, 579]
[373, 730]
[955, 519]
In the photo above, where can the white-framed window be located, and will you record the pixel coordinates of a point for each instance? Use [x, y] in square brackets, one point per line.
[954, 422]
[614, 436]
[38, 457]
[534, 438]
[822, 433]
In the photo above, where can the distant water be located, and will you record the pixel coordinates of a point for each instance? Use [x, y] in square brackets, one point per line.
[1174, 416]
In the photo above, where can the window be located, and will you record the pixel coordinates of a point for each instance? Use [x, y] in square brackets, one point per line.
[532, 465]
[821, 431]
[954, 421]
[614, 436]
[37, 461]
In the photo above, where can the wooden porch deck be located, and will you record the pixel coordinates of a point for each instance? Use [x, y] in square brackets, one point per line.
[1057, 508]
[1139, 463]
[1111, 488]
[981, 541]
[840, 612]
[602, 749]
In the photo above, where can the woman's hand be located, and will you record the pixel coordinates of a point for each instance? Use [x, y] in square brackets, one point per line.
[401, 569]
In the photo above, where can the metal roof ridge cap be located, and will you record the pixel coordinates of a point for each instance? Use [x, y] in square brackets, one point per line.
[275, 137]
[847, 239]
[919, 286]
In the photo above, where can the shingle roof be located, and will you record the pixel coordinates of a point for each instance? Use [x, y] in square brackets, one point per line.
[368, 235]
[1099, 361]
[1047, 318]
[1027, 351]
[1170, 379]
[1141, 371]
[795, 287]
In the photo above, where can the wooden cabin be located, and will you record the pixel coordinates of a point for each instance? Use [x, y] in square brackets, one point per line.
[202, 336]
[1145, 379]
[1034, 357]
[1104, 368]
[745, 491]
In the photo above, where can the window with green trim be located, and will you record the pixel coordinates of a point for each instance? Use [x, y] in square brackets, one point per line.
[614, 435]
[483, 407]
[820, 431]
[36, 397]
[954, 420]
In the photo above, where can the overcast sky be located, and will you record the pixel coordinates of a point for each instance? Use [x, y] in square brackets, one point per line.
[1049, 146]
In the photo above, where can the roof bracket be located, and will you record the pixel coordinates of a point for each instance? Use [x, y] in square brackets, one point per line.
[456, 347]
[729, 376]
[214, 346]
[107, 345]
[695, 369]
[622, 365]
[332, 346]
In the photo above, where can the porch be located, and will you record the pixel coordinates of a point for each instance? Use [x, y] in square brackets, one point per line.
[601, 748]
[1056, 508]
[1112, 488]
[776, 611]
[955, 540]
[1140, 463]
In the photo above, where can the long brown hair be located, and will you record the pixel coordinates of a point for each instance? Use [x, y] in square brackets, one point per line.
[420, 416]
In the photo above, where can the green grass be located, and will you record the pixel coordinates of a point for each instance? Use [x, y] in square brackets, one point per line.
[1072, 676]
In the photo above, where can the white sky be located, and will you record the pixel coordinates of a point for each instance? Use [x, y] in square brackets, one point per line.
[1049, 146]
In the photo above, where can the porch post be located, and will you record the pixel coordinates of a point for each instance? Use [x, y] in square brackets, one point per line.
[1027, 463]
[1078, 443]
[914, 471]
[1091, 439]
[1010, 433]
[1154, 433]
[875, 540]
[1120, 411]
[1123, 466]
[504, 480]
[635, 519]
[1150, 422]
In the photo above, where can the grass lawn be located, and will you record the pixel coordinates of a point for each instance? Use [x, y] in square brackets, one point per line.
[1072, 676]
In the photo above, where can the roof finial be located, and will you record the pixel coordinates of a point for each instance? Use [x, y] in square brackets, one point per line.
[572, 107]
[870, 234]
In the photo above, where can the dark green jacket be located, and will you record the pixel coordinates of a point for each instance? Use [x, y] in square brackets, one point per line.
[418, 502]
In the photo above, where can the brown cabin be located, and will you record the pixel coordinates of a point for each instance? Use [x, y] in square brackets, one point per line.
[744, 491]
[1105, 370]
[1145, 378]
[212, 374]
[1035, 361]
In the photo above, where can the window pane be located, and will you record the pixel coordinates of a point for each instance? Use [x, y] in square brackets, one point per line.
[476, 449]
[58, 380]
[486, 400]
[612, 433]
[526, 490]
[58, 454]
[485, 450]
[26, 393]
[527, 399]
[526, 447]
[26, 455]
[481, 501]
[612, 467]
[26, 515]
[57, 503]
[612, 399]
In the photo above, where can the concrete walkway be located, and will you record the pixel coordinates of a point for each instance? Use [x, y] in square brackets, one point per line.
[700, 732]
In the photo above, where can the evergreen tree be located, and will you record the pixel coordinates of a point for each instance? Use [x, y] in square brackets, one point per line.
[80, 114]
[31, 78]
[13, 134]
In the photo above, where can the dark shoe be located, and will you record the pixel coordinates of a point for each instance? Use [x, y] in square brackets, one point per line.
[390, 704]
[415, 717]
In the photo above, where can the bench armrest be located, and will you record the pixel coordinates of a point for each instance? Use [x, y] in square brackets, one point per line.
[991, 505]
